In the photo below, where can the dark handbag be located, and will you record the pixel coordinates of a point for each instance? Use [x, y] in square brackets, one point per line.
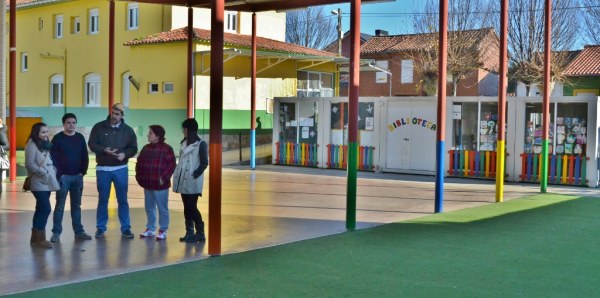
[27, 184]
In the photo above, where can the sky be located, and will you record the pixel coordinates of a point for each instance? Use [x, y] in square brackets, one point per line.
[395, 17]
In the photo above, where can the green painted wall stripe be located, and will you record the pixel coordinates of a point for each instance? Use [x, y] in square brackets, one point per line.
[351, 186]
[544, 171]
[234, 121]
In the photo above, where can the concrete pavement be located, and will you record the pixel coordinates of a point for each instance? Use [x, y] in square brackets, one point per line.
[269, 206]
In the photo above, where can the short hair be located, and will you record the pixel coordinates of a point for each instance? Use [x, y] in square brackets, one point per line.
[67, 116]
[159, 131]
[119, 107]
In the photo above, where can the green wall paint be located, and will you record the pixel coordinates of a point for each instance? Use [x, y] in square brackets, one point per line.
[234, 121]
[581, 83]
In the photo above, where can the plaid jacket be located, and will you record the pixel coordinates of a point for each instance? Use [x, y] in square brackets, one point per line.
[155, 162]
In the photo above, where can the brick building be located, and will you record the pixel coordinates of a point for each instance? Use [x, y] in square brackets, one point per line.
[401, 56]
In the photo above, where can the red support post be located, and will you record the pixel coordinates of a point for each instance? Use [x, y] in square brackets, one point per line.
[190, 61]
[12, 133]
[441, 106]
[216, 127]
[253, 97]
[546, 96]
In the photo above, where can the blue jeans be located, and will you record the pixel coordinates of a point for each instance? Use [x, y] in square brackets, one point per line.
[152, 200]
[72, 184]
[119, 178]
[42, 209]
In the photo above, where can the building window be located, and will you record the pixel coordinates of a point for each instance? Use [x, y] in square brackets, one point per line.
[231, 21]
[58, 26]
[168, 87]
[567, 132]
[132, 16]
[40, 24]
[75, 25]
[92, 90]
[406, 77]
[93, 26]
[152, 88]
[57, 83]
[24, 62]
[315, 84]
[380, 76]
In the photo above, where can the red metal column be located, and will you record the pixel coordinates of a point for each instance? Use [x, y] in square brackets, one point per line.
[111, 55]
[12, 134]
[353, 114]
[546, 99]
[190, 59]
[253, 97]
[441, 109]
[500, 156]
[216, 127]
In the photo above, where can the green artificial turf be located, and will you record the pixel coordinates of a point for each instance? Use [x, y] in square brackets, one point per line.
[539, 246]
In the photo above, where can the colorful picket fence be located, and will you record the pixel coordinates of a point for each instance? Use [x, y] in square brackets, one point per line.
[562, 168]
[337, 156]
[471, 163]
[298, 154]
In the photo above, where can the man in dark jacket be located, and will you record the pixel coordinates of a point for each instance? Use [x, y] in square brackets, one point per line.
[70, 156]
[113, 142]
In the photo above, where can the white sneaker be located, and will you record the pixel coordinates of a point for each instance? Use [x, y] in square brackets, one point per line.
[147, 233]
[162, 234]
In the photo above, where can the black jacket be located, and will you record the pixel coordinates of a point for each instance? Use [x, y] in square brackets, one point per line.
[3, 138]
[104, 136]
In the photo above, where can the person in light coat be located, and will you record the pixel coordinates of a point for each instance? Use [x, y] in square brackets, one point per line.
[188, 179]
[42, 174]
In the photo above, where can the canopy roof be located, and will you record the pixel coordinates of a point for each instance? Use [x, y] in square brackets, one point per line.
[257, 5]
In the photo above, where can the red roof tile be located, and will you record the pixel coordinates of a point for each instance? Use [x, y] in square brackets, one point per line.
[409, 42]
[587, 63]
[32, 2]
[230, 40]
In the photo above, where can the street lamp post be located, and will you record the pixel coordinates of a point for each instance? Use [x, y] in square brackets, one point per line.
[338, 12]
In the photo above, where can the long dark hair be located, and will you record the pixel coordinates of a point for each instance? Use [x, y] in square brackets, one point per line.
[35, 134]
[192, 131]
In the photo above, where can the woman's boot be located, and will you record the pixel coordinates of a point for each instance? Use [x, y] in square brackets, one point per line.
[189, 231]
[199, 236]
[38, 238]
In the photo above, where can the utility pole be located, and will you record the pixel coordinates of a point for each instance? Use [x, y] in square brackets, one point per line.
[338, 12]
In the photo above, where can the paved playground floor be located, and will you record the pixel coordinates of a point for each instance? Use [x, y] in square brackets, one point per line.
[269, 206]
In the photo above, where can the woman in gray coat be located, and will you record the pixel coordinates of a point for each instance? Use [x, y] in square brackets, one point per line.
[42, 174]
[188, 179]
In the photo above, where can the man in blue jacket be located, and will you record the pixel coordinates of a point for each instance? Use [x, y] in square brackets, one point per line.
[113, 142]
[70, 156]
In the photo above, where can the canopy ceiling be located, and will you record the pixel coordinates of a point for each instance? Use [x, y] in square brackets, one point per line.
[257, 5]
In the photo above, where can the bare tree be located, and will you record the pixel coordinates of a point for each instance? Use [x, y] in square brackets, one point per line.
[310, 28]
[591, 21]
[466, 46]
[526, 39]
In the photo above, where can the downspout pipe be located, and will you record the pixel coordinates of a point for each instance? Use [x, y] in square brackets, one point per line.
[111, 56]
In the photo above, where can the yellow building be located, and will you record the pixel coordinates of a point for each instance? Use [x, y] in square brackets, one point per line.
[62, 47]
